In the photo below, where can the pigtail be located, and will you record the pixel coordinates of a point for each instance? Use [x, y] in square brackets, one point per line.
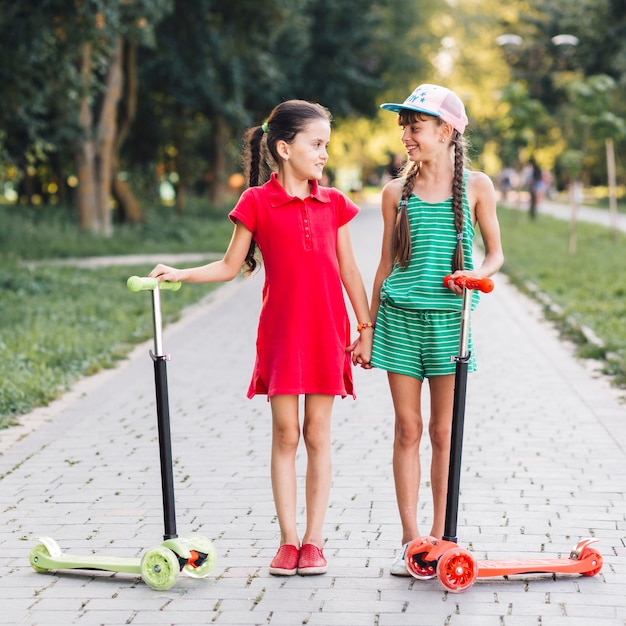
[458, 259]
[253, 168]
[401, 248]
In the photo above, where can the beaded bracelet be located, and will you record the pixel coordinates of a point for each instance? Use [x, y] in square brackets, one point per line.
[365, 325]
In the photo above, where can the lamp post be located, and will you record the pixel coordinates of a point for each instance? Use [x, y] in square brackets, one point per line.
[511, 43]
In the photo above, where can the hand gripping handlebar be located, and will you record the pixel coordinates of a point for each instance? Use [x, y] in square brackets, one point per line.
[145, 283]
[468, 282]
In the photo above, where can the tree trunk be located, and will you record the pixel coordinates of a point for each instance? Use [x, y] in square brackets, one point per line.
[85, 153]
[129, 207]
[181, 197]
[181, 143]
[219, 189]
[106, 135]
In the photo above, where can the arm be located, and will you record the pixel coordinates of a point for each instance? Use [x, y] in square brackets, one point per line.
[218, 271]
[390, 199]
[485, 215]
[482, 198]
[353, 283]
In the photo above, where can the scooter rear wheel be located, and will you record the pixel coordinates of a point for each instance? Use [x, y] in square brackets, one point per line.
[38, 551]
[594, 555]
[159, 568]
[457, 570]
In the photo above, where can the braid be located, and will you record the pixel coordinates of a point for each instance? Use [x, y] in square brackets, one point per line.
[253, 154]
[253, 172]
[458, 260]
[401, 249]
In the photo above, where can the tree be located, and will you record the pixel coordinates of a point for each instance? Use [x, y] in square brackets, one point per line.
[36, 103]
[220, 67]
[217, 68]
[107, 44]
[548, 68]
[593, 100]
[60, 111]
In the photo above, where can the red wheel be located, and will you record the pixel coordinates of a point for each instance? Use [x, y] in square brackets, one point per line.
[596, 561]
[416, 561]
[457, 570]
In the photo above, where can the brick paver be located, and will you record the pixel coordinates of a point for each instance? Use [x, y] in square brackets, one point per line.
[544, 465]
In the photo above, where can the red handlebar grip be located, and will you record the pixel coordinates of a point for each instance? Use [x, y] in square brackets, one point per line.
[468, 282]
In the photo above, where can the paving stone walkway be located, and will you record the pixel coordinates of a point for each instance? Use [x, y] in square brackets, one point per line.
[544, 465]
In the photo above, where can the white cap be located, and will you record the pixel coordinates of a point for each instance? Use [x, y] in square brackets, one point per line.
[434, 100]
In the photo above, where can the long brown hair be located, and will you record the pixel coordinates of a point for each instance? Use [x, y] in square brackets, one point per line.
[260, 156]
[401, 245]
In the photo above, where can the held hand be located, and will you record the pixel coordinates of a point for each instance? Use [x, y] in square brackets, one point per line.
[361, 350]
[165, 273]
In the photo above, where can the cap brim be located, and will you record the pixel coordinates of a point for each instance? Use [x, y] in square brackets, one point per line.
[396, 108]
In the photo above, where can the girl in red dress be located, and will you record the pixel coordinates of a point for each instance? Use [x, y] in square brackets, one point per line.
[303, 341]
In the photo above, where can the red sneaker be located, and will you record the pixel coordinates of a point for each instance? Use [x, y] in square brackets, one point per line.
[311, 561]
[285, 563]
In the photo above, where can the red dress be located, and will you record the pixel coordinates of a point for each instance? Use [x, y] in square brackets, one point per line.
[303, 327]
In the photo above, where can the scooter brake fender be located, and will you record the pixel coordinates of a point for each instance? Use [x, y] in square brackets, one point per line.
[52, 546]
[178, 546]
[580, 546]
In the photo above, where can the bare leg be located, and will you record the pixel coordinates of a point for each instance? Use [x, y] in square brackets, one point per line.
[316, 431]
[406, 394]
[285, 437]
[440, 430]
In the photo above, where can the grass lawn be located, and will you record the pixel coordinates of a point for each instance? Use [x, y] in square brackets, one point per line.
[588, 287]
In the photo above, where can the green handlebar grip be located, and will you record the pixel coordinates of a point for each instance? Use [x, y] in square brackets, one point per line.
[145, 283]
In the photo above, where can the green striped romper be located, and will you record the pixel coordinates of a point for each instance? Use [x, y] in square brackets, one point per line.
[418, 323]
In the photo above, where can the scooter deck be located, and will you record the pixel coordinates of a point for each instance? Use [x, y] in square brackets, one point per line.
[511, 567]
[62, 561]
[48, 556]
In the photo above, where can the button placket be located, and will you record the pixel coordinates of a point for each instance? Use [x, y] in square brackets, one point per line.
[306, 227]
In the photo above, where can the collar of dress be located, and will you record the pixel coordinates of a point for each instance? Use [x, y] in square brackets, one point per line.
[279, 197]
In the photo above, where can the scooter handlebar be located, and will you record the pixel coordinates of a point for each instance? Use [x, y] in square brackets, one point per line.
[468, 282]
[145, 283]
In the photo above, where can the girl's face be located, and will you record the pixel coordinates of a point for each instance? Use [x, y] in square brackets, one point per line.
[307, 154]
[421, 134]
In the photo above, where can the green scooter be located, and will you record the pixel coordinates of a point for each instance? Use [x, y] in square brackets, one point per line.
[160, 565]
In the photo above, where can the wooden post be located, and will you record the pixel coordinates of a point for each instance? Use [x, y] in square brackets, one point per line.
[610, 167]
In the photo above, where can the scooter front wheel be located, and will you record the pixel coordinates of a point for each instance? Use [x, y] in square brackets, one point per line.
[457, 570]
[203, 559]
[159, 568]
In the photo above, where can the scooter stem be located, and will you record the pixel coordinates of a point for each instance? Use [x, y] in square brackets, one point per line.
[458, 422]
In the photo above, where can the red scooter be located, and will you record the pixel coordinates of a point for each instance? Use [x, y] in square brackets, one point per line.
[455, 567]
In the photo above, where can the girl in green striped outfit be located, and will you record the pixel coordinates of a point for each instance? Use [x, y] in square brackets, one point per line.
[429, 216]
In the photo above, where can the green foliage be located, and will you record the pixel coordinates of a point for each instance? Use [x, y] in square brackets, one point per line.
[359, 49]
[580, 86]
[205, 71]
[525, 124]
[39, 69]
[588, 288]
